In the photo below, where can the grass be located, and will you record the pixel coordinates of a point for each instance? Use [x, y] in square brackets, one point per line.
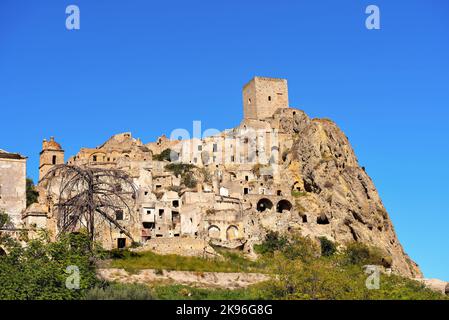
[302, 271]
[120, 291]
[232, 262]
[160, 291]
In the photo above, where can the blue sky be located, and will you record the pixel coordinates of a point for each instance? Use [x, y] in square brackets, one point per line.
[149, 67]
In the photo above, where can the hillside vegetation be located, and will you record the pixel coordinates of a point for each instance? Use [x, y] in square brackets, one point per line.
[300, 269]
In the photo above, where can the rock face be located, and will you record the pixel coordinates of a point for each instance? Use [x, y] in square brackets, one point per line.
[334, 191]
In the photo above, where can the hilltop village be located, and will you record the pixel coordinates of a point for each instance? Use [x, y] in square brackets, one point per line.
[277, 170]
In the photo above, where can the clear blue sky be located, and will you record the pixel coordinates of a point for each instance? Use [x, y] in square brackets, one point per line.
[151, 66]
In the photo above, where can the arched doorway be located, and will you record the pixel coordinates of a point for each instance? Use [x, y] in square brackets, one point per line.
[214, 232]
[264, 204]
[232, 233]
[283, 205]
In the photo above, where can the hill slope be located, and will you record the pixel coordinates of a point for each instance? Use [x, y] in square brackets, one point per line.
[339, 194]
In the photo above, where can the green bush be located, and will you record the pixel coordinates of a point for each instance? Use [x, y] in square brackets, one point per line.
[273, 242]
[4, 219]
[301, 248]
[179, 168]
[121, 254]
[166, 155]
[361, 254]
[38, 270]
[189, 180]
[31, 194]
[328, 248]
[296, 247]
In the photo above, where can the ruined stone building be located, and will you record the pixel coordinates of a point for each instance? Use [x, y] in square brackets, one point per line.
[12, 185]
[277, 170]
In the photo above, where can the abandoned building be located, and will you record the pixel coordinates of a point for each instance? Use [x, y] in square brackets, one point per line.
[236, 175]
[12, 186]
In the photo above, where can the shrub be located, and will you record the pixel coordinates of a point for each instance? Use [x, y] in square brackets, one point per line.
[38, 270]
[31, 194]
[297, 247]
[328, 248]
[166, 155]
[189, 180]
[206, 175]
[119, 291]
[4, 219]
[273, 242]
[361, 254]
[179, 168]
[301, 248]
[122, 254]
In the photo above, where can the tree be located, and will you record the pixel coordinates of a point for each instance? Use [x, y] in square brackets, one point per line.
[166, 155]
[328, 248]
[88, 196]
[31, 193]
[40, 270]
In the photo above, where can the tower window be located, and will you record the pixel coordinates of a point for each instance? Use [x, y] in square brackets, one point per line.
[53, 160]
[95, 158]
[249, 101]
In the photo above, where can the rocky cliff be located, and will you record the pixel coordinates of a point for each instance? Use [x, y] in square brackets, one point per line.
[336, 192]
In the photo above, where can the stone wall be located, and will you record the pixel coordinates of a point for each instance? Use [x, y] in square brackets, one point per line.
[13, 187]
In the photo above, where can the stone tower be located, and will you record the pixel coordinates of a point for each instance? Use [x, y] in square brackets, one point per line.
[263, 96]
[51, 155]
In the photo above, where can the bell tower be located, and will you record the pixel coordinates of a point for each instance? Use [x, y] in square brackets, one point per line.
[51, 155]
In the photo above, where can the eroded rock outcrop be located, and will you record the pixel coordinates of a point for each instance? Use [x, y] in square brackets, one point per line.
[335, 192]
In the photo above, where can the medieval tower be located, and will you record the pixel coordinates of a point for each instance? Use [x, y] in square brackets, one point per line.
[263, 96]
[51, 155]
